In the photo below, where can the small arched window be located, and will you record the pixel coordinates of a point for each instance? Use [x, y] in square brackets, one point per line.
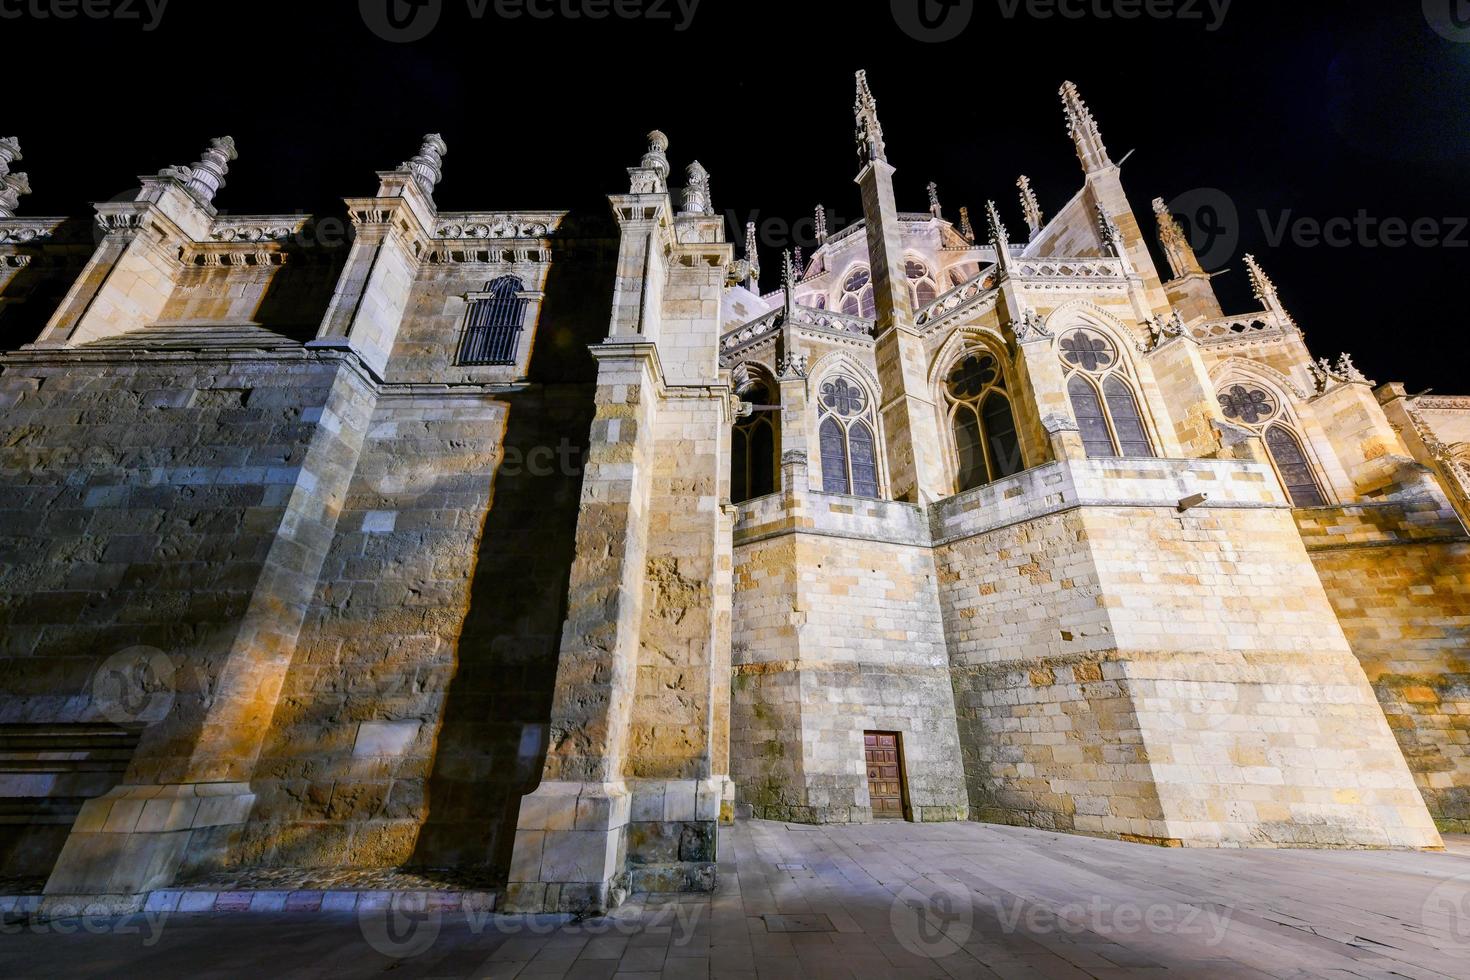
[921, 283]
[857, 294]
[849, 449]
[493, 324]
[1257, 408]
[755, 446]
[1291, 464]
[1102, 399]
[984, 427]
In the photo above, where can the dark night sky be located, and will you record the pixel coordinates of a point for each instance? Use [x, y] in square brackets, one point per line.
[1320, 109]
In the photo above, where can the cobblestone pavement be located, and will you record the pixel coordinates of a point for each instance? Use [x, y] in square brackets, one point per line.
[894, 900]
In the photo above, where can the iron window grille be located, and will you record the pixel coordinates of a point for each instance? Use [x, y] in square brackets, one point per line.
[494, 323]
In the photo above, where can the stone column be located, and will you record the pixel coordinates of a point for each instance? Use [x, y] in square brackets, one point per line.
[571, 836]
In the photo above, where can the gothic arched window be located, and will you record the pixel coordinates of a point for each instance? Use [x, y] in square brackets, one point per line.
[1102, 399]
[1257, 408]
[849, 449]
[986, 445]
[755, 446]
[921, 283]
[493, 324]
[857, 293]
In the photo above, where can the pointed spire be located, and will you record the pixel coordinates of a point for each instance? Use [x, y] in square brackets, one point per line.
[800, 264]
[966, 229]
[1262, 286]
[207, 176]
[821, 225]
[869, 132]
[427, 166]
[1030, 207]
[999, 237]
[1182, 260]
[1084, 132]
[788, 284]
[12, 185]
[934, 207]
[752, 257]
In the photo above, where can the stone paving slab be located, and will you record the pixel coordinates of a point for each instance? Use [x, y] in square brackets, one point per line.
[890, 900]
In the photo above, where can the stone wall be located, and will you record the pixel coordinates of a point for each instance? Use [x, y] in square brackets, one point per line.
[1160, 675]
[145, 504]
[837, 632]
[1398, 576]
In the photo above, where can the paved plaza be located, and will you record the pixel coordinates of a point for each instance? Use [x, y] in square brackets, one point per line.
[891, 900]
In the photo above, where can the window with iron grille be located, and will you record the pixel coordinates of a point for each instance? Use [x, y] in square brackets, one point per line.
[493, 327]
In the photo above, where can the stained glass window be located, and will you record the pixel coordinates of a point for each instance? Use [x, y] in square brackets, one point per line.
[1093, 424]
[1291, 462]
[986, 444]
[753, 447]
[848, 446]
[834, 457]
[1127, 423]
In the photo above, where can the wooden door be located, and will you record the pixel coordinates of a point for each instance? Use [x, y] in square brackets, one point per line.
[885, 774]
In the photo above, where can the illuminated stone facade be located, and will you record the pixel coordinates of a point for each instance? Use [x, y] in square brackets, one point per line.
[543, 543]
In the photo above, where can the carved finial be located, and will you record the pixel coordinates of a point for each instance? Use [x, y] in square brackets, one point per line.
[427, 166]
[751, 257]
[966, 229]
[869, 133]
[934, 207]
[1109, 232]
[1030, 207]
[1182, 260]
[999, 237]
[696, 194]
[12, 186]
[207, 176]
[652, 172]
[1261, 284]
[9, 153]
[788, 283]
[1084, 132]
[800, 264]
[821, 225]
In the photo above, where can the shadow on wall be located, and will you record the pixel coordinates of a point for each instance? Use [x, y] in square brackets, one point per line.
[34, 292]
[492, 739]
[302, 288]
